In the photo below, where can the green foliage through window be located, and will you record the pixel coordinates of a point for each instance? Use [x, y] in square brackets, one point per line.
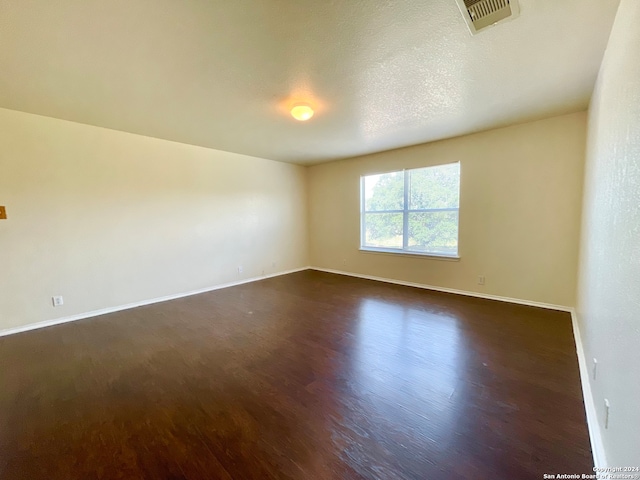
[412, 210]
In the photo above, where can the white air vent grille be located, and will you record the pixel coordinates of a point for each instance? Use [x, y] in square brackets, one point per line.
[480, 14]
[481, 8]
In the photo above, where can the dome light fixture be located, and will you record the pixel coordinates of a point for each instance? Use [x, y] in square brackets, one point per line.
[302, 112]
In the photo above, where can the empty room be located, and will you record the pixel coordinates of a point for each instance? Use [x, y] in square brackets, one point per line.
[346, 239]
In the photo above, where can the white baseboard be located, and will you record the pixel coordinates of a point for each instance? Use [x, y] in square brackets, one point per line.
[519, 301]
[104, 311]
[597, 445]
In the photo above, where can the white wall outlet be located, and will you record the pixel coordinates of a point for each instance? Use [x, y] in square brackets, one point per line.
[481, 279]
[57, 301]
[607, 409]
[273, 264]
[595, 368]
[240, 269]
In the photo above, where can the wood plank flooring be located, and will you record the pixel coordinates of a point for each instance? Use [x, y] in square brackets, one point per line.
[305, 376]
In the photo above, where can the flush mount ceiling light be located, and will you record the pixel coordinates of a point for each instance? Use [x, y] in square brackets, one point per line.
[302, 112]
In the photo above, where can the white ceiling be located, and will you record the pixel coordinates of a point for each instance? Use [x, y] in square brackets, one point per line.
[222, 73]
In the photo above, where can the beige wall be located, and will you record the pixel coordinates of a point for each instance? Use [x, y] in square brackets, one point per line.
[521, 189]
[107, 218]
[609, 277]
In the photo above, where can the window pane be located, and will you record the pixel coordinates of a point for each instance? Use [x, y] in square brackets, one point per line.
[434, 232]
[384, 192]
[434, 187]
[383, 230]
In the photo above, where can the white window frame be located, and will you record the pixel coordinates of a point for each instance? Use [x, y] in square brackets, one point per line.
[405, 218]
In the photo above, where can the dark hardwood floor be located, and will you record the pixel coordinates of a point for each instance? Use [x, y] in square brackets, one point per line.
[305, 376]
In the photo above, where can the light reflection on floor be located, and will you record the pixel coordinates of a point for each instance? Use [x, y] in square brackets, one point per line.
[390, 338]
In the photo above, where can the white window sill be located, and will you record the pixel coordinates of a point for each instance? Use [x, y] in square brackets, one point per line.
[433, 256]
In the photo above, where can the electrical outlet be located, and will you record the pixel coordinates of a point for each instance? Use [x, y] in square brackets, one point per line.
[595, 368]
[273, 264]
[240, 269]
[481, 279]
[607, 410]
[57, 301]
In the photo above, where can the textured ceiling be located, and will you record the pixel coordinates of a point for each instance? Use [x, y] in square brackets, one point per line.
[222, 74]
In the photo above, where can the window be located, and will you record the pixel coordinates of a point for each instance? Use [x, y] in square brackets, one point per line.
[411, 211]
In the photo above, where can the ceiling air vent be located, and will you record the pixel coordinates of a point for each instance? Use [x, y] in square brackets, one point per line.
[480, 14]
